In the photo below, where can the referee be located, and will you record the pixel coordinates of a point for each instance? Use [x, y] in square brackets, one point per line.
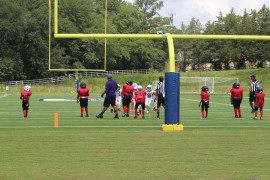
[254, 84]
[160, 91]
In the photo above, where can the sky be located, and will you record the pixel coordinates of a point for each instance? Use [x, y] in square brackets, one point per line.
[206, 10]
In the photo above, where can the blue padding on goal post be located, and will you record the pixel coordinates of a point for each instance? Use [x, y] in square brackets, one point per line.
[172, 94]
[76, 85]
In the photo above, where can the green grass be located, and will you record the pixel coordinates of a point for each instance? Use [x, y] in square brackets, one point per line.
[220, 147]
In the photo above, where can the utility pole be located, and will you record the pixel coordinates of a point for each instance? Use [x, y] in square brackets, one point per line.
[172, 14]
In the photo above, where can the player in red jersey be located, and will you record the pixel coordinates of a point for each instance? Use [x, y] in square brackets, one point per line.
[83, 94]
[126, 94]
[25, 96]
[236, 98]
[204, 101]
[140, 100]
[259, 103]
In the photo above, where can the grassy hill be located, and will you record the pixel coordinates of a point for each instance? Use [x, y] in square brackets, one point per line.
[96, 84]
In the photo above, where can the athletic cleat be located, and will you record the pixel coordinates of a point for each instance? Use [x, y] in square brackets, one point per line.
[116, 117]
[81, 115]
[255, 118]
[127, 115]
[253, 111]
[99, 116]
[143, 117]
[202, 118]
[157, 117]
[240, 116]
[261, 118]
[86, 115]
[25, 117]
[205, 117]
[124, 115]
[135, 117]
[236, 116]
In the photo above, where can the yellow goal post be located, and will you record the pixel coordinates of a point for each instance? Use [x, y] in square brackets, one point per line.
[168, 36]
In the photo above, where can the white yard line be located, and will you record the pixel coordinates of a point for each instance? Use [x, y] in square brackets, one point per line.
[3, 96]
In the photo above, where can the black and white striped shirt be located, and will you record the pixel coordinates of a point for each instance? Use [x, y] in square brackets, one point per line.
[254, 85]
[161, 88]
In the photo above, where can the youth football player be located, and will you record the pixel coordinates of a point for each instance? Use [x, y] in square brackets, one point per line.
[126, 94]
[83, 94]
[140, 100]
[118, 99]
[204, 103]
[259, 103]
[236, 99]
[149, 97]
[25, 96]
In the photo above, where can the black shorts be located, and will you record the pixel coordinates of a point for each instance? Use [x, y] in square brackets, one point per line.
[140, 103]
[205, 106]
[161, 100]
[108, 102]
[126, 100]
[84, 102]
[252, 97]
[236, 103]
[256, 108]
[24, 105]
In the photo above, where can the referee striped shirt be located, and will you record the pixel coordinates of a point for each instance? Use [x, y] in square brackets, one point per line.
[254, 85]
[161, 88]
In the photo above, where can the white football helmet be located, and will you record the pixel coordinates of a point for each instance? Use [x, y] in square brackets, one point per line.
[140, 88]
[27, 88]
[118, 85]
[149, 87]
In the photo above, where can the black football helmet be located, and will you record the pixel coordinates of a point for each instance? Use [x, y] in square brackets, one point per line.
[236, 85]
[83, 85]
[160, 78]
[259, 90]
[129, 82]
[204, 89]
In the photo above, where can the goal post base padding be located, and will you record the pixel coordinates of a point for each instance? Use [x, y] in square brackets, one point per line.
[172, 127]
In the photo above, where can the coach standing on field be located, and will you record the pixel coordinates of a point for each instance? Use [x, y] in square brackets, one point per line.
[254, 84]
[110, 91]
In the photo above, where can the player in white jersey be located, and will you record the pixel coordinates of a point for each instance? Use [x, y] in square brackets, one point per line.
[149, 97]
[118, 97]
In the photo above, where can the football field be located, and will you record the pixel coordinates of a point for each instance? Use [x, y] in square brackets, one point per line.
[220, 147]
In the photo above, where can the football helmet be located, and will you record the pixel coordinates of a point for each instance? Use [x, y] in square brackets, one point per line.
[149, 87]
[259, 90]
[83, 85]
[236, 85]
[27, 88]
[204, 89]
[140, 88]
[129, 82]
[118, 85]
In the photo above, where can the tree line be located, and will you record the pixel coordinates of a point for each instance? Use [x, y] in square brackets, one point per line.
[24, 38]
